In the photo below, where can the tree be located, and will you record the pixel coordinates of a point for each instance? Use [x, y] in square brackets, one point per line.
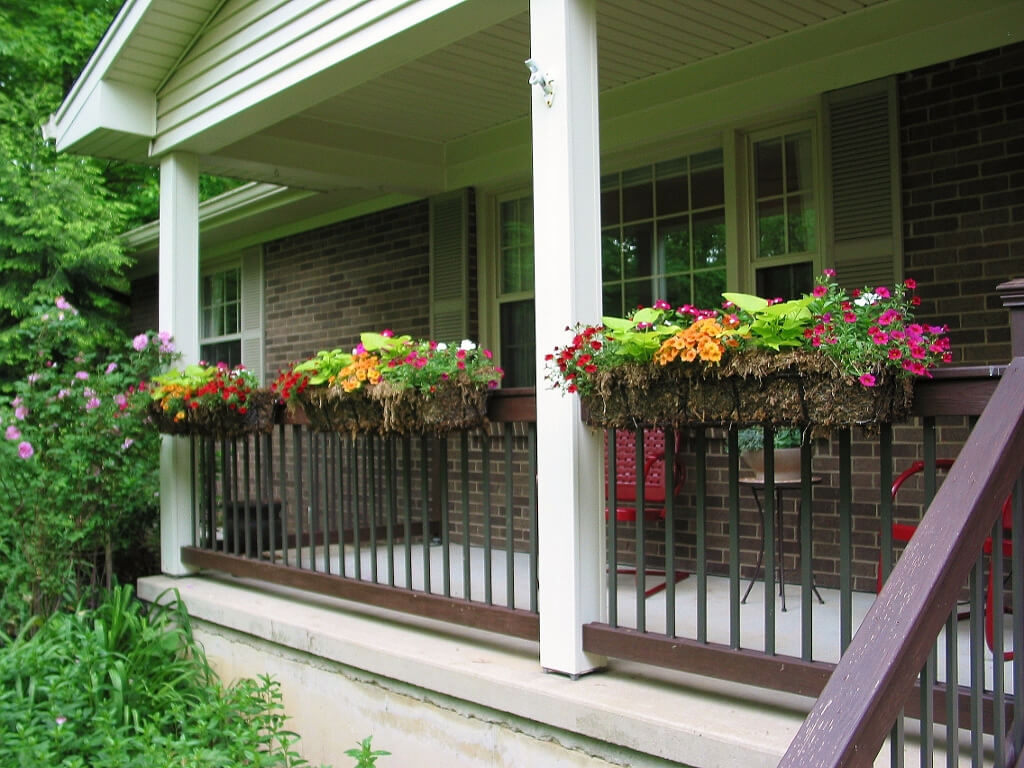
[59, 226]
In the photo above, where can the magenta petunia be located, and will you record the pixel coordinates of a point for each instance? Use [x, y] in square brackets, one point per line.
[819, 291]
[867, 379]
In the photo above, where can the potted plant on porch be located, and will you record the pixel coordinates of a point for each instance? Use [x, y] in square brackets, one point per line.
[787, 442]
[827, 359]
[212, 401]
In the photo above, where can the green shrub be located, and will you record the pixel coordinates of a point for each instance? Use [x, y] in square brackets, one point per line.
[120, 685]
[78, 460]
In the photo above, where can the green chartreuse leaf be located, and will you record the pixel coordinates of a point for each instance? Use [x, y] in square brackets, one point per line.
[747, 302]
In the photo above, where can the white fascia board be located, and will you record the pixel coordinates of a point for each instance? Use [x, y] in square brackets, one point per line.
[245, 201]
[117, 35]
[306, 68]
[115, 107]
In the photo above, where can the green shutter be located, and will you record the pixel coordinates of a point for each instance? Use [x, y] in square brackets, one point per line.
[449, 266]
[252, 311]
[863, 158]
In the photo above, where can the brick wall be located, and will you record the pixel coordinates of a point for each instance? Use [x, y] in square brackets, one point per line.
[325, 286]
[962, 147]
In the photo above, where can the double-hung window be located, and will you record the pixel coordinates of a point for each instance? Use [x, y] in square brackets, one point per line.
[515, 291]
[663, 234]
[220, 329]
[785, 211]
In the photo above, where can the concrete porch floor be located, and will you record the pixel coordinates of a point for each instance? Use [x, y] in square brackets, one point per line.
[826, 616]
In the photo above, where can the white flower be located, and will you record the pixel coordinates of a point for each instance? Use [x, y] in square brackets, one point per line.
[866, 298]
[441, 346]
[467, 345]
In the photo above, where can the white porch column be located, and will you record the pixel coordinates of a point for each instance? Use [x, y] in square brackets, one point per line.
[566, 180]
[179, 314]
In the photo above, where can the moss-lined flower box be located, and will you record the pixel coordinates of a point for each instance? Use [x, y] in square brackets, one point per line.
[211, 401]
[393, 385]
[828, 360]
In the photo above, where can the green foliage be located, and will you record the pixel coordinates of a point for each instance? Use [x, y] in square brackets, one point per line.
[752, 438]
[365, 755]
[772, 325]
[325, 365]
[128, 687]
[78, 462]
[640, 335]
[426, 365]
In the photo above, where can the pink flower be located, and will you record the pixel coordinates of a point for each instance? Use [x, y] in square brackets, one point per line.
[867, 380]
[92, 403]
[883, 292]
[895, 354]
[488, 355]
[828, 272]
[460, 354]
[60, 720]
[139, 342]
[62, 303]
[25, 450]
[492, 384]
[63, 393]
[13, 433]
[20, 412]
[819, 291]
[359, 349]
[880, 338]
[911, 283]
[111, 368]
[662, 304]
[387, 332]
[128, 442]
[888, 317]
[850, 317]
[81, 375]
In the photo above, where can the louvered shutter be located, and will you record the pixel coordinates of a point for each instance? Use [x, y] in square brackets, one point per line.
[863, 153]
[252, 311]
[449, 266]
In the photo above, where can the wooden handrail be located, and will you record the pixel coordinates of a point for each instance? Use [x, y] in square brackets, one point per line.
[862, 699]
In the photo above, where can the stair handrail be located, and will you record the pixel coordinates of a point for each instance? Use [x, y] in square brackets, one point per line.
[862, 699]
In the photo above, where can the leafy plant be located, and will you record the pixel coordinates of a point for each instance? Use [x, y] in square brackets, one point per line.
[771, 324]
[752, 438]
[427, 365]
[126, 685]
[365, 756]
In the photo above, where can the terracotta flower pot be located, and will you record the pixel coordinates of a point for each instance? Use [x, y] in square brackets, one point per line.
[787, 463]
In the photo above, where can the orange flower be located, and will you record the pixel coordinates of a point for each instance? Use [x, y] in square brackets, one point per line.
[702, 339]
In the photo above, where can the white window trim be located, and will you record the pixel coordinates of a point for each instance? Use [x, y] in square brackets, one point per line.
[251, 333]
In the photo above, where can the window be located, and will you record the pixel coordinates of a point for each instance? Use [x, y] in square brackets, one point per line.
[663, 234]
[515, 291]
[785, 212]
[220, 329]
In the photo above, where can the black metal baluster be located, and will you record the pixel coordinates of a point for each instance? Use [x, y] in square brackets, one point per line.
[236, 538]
[670, 533]
[510, 574]
[326, 488]
[733, 457]
[928, 711]
[611, 521]
[387, 443]
[485, 455]
[638, 526]
[806, 553]
[300, 506]
[340, 495]
[282, 468]
[701, 469]
[977, 646]
[425, 502]
[446, 539]
[467, 550]
[359, 489]
[407, 506]
[314, 496]
[268, 467]
[247, 484]
[258, 455]
[845, 536]
[374, 512]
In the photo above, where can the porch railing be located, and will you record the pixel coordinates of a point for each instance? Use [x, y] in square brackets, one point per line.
[442, 527]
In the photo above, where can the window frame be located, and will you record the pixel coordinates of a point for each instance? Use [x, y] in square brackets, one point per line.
[222, 266]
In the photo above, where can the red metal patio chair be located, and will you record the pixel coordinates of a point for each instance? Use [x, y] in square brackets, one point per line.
[654, 486]
[902, 533]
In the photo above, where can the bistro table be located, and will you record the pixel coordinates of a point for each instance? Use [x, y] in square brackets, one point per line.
[756, 484]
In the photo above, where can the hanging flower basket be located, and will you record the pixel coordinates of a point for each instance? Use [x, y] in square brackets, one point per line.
[781, 389]
[219, 420]
[330, 409]
[827, 360]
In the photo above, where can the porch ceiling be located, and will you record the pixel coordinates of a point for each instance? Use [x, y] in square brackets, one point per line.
[391, 132]
[443, 102]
